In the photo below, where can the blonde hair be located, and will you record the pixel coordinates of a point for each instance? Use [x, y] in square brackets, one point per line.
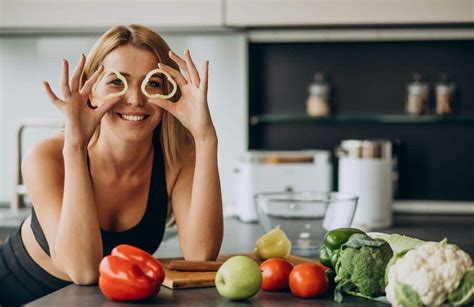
[175, 138]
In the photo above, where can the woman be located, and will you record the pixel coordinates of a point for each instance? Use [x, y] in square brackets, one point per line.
[118, 170]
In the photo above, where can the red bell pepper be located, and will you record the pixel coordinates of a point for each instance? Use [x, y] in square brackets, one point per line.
[130, 273]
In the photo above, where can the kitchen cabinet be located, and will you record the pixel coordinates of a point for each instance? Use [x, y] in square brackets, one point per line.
[368, 80]
[472, 11]
[57, 15]
[261, 13]
[60, 15]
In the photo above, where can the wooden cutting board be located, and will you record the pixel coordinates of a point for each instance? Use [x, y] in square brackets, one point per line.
[195, 279]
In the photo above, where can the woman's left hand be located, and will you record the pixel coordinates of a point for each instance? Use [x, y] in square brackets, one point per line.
[191, 109]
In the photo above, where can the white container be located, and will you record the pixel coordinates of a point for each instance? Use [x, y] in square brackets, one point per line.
[365, 169]
[279, 171]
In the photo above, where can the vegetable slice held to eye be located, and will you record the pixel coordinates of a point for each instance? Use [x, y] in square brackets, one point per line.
[112, 90]
[161, 96]
[104, 75]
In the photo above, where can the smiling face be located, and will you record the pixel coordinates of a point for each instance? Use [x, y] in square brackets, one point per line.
[133, 117]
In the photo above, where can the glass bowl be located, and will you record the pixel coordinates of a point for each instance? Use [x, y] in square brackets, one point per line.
[305, 217]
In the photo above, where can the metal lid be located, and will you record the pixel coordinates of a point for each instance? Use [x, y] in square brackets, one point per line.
[372, 149]
[319, 87]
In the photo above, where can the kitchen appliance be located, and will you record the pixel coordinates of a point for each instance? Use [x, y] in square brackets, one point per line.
[274, 171]
[365, 169]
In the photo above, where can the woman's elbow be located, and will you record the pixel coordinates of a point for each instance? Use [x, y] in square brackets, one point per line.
[202, 254]
[85, 278]
[200, 257]
[82, 275]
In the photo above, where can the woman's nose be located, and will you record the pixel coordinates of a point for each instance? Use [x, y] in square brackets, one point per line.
[134, 97]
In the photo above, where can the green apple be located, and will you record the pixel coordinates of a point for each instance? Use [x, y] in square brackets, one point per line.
[273, 244]
[238, 278]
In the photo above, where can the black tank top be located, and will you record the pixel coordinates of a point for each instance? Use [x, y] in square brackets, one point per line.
[148, 233]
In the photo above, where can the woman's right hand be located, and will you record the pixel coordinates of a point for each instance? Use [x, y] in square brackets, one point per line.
[80, 120]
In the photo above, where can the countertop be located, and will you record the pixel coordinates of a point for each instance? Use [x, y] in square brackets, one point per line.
[241, 237]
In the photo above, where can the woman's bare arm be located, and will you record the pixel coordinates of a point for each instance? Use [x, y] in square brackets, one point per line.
[69, 215]
[196, 199]
[64, 203]
[197, 204]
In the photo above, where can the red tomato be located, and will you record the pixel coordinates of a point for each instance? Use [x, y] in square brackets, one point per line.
[325, 268]
[308, 280]
[275, 274]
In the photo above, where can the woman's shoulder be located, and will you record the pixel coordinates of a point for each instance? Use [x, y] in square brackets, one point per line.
[47, 152]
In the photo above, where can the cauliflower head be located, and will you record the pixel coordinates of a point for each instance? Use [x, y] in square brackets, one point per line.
[426, 274]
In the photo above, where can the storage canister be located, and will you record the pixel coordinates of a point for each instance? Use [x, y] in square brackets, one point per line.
[365, 169]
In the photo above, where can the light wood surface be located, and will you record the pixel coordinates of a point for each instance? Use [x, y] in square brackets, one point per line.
[202, 266]
[197, 278]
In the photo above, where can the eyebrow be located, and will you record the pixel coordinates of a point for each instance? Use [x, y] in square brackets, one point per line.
[124, 74]
[128, 75]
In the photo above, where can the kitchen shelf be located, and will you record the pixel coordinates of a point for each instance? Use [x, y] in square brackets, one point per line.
[359, 119]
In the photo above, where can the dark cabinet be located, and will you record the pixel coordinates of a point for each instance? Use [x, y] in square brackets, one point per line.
[369, 80]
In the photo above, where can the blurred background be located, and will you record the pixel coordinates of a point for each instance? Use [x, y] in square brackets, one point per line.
[290, 81]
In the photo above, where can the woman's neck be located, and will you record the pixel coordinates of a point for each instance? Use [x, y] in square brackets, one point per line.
[121, 158]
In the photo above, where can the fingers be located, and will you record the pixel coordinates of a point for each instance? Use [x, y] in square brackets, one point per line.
[193, 73]
[176, 75]
[164, 104]
[52, 97]
[203, 86]
[86, 89]
[181, 63]
[76, 77]
[65, 80]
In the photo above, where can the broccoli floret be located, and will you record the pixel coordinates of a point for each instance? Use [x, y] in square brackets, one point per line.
[362, 262]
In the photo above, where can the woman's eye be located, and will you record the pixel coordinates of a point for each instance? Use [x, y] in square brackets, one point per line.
[153, 84]
[116, 82]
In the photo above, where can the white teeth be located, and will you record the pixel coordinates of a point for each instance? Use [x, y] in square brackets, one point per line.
[134, 118]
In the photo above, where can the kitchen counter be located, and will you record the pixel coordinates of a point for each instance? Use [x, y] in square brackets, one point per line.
[241, 237]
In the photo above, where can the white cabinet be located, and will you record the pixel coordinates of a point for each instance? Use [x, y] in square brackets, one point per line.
[472, 10]
[31, 15]
[96, 14]
[255, 13]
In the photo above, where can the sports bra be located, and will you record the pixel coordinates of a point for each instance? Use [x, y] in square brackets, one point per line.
[148, 233]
